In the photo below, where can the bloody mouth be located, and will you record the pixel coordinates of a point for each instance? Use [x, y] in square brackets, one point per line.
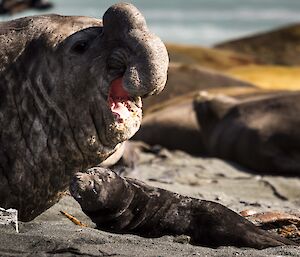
[119, 101]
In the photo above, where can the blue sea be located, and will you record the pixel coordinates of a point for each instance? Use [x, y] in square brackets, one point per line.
[198, 22]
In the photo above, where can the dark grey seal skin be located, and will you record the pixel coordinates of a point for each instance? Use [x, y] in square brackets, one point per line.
[70, 94]
[174, 127]
[125, 205]
[258, 131]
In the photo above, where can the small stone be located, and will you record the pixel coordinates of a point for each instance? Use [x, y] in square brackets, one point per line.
[182, 239]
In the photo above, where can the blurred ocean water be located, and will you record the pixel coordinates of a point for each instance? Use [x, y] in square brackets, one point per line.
[200, 22]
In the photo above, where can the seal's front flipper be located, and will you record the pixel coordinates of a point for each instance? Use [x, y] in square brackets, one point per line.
[124, 205]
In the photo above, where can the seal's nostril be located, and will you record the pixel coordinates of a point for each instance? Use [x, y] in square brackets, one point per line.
[116, 63]
[120, 55]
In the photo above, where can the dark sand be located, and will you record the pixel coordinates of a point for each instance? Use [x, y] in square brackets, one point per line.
[52, 234]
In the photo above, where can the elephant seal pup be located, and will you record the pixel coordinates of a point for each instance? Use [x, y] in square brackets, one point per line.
[70, 94]
[125, 205]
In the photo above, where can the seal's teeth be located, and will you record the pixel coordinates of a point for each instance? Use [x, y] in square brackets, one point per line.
[138, 102]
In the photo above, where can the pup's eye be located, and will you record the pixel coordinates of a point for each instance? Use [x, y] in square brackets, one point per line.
[80, 47]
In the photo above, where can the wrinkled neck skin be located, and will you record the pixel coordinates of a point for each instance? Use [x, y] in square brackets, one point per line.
[54, 110]
[48, 133]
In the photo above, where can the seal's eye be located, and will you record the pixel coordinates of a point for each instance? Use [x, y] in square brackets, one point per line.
[80, 47]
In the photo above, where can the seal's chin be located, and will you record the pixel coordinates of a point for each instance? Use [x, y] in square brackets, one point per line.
[126, 111]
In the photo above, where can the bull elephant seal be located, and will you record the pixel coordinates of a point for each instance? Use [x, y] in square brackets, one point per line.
[125, 205]
[71, 92]
[259, 131]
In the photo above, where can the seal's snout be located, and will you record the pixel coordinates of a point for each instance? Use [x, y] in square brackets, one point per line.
[85, 189]
[140, 54]
[78, 185]
[98, 188]
[84, 185]
[92, 186]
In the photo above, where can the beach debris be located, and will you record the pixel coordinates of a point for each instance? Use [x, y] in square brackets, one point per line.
[9, 217]
[73, 219]
[248, 212]
[284, 224]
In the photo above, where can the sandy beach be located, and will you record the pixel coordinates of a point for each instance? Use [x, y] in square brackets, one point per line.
[52, 234]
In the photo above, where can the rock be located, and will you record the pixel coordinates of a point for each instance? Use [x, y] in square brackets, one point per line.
[182, 239]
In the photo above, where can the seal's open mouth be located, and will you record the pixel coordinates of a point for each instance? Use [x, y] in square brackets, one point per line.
[124, 118]
[122, 105]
